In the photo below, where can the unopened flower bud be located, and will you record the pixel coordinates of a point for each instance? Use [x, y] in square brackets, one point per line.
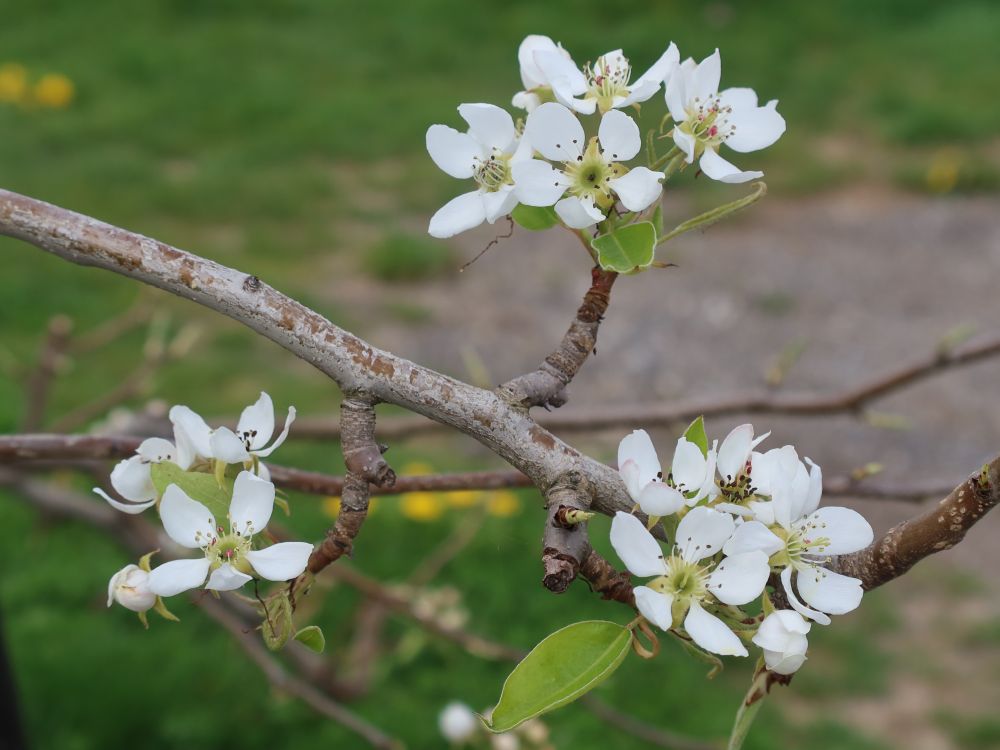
[457, 722]
[130, 588]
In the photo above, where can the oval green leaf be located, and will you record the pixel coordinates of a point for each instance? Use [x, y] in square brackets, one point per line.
[535, 218]
[628, 249]
[198, 485]
[312, 638]
[559, 670]
[695, 433]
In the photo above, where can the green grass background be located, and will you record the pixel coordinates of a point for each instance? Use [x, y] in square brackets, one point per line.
[256, 134]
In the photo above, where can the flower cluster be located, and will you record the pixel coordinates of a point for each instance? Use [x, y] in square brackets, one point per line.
[550, 160]
[203, 473]
[736, 517]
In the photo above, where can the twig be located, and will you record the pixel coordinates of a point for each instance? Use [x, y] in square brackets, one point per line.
[655, 414]
[546, 385]
[41, 378]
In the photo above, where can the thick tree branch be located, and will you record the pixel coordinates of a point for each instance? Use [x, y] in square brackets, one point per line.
[546, 385]
[940, 528]
[355, 365]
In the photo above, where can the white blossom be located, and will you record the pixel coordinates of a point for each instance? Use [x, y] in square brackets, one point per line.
[782, 637]
[592, 177]
[253, 433]
[486, 153]
[705, 118]
[537, 87]
[130, 588]
[458, 723]
[229, 558]
[132, 478]
[689, 582]
[606, 84]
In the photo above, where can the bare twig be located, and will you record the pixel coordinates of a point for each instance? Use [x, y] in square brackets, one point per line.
[41, 378]
[546, 385]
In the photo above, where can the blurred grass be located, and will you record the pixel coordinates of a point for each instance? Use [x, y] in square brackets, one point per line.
[286, 138]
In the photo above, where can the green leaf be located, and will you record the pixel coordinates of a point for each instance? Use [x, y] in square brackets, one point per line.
[534, 218]
[628, 249]
[695, 433]
[312, 638]
[198, 485]
[716, 214]
[559, 670]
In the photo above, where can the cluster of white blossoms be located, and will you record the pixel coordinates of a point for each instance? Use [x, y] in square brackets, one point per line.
[550, 160]
[220, 460]
[736, 517]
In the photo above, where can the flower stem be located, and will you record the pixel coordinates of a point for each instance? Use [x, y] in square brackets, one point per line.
[749, 707]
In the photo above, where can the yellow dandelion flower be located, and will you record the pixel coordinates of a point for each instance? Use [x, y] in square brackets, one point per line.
[464, 498]
[503, 504]
[418, 468]
[54, 90]
[13, 83]
[943, 172]
[422, 506]
[331, 506]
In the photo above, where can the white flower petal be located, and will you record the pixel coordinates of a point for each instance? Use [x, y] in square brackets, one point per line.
[738, 98]
[717, 168]
[688, 466]
[130, 508]
[132, 480]
[280, 562]
[815, 487]
[176, 576]
[662, 68]
[676, 96]
[639, 91]
[619, 136]
[196, 432]
[750, 536]
[755, 128]
[772, 469]
[741, 578]
[830, 592]
[846, 531]
[686, 143]
[489, 124]
[812, 614]
[629, 472]
[555, 133]
[784, 663]
[226, 578]
[659, 499]
[531, 74]
[637, 446]
[526, 100]
[735, 451]
[705, 79]
[703, 532]
[639, 188]
[457, 215]
[257, 422]
[226, 446]
[498, 203]
[654, 606]
[252, 504]
[186, 521]
[289, 418]
[455, 153]
[578, 214]
[537, 183]
[711, 633]
[636, 547]
[156, 450]
[558, 67]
